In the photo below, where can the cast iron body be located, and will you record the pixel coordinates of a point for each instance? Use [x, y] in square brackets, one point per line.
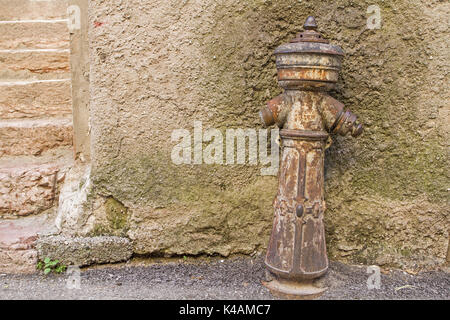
[307, 67]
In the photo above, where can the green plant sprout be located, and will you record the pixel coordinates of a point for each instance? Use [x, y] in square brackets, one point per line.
[49, 265]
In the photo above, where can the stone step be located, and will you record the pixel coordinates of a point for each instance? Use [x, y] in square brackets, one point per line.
[84, 251]
[18, 240]
[35, 99]
[30, 185]
[36, 64]
[33, 137]
[32, 9]
[42, 34]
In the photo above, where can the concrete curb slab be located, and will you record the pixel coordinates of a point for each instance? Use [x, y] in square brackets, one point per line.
[84, 251]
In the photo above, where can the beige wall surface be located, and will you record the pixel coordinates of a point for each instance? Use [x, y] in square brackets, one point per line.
[159, 65]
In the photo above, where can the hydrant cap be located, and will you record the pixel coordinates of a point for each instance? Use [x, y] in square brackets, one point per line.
[310, 41]
[308, 62]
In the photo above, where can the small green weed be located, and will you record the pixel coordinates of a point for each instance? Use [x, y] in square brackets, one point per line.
[49, 265]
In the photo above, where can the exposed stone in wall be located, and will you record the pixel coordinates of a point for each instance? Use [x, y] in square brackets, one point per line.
[74, 204]
[160, 65]
[30, 189]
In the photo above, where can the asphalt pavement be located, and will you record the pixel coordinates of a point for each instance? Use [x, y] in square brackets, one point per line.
[214, 278]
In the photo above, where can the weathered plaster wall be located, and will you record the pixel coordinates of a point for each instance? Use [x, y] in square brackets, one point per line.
[159, 65]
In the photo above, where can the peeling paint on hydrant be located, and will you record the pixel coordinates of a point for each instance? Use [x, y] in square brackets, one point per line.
[307, 67]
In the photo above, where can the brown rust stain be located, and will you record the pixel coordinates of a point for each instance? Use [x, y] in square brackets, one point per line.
[311, 74]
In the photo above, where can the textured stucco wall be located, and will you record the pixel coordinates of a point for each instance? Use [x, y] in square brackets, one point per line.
[158, 65]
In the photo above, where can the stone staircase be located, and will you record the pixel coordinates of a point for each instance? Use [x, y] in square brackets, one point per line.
[36, 145]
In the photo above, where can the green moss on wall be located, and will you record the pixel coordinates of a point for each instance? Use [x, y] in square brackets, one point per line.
[116, 213]
[400, 158]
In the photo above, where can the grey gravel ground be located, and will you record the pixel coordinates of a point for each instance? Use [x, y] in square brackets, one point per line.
[236, 278]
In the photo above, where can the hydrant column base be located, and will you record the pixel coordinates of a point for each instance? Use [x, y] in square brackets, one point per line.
[294, 290]
[296, 252]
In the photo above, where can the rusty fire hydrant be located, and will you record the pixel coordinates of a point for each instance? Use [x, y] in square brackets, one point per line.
[307, 67]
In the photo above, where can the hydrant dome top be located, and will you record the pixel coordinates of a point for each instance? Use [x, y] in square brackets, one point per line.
[309, 41]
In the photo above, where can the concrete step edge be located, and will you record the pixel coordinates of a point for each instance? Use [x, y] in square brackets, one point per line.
[36, 123]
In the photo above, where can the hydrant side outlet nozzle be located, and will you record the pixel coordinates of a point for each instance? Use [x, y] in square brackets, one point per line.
[307, 67]
[274, 112]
